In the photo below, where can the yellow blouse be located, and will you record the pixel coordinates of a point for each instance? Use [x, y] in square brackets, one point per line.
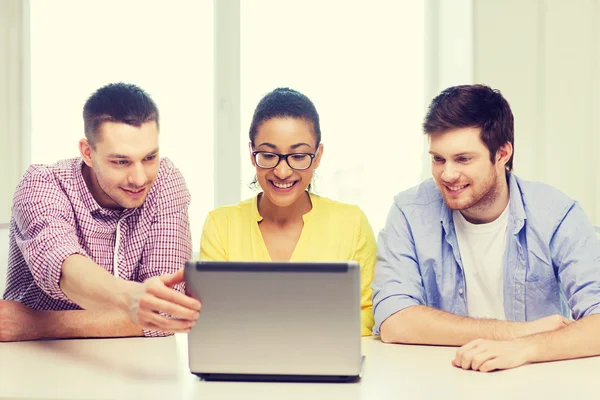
[332, 231]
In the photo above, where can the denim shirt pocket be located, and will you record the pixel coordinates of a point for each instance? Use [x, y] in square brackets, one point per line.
[541, 284]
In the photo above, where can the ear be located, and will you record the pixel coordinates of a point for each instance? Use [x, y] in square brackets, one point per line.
[85, 149]
[251, 156]
[504, 153]
[317, 161]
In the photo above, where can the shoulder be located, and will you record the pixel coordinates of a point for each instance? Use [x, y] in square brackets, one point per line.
[543, 200]
[237, 211]
[59, 171]
[335, 208]
[169, 191]
[340, 216]
[344, 222]
[168, 173]
[47, 180]
[424, 197]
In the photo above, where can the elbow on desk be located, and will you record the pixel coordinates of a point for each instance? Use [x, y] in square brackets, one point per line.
[393, 335]
[386, 335]
[398, 329]
[389, 332]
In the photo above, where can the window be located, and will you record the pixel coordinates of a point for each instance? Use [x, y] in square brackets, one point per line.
[361, 63]
[166, 48]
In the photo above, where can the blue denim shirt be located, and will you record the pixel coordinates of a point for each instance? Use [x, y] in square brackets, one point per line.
[552, 256]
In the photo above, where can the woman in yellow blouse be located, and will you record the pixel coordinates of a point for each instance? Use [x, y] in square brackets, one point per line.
[286, 222]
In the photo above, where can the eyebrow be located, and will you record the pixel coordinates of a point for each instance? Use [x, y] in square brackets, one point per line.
[121, 156]
[267, 144]
[465, 153]
[294, 146]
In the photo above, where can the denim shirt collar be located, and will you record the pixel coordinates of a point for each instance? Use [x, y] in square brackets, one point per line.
[517, 209]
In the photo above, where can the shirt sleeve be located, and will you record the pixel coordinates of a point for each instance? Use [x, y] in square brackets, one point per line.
[397, 283]
[575, 250]
[169, 244]
[211, 243]
[365, 250]
[45, 231]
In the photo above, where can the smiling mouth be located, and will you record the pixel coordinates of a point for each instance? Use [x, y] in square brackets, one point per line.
[136, 191]
[456, 188]
[283, 185]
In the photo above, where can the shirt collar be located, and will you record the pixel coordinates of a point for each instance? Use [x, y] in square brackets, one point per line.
[517, 209]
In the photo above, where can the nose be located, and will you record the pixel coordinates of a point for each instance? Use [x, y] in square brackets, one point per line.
[137, 176]
[449, 173]
[283, 170]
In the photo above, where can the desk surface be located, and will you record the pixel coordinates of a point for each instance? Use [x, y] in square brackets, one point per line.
[140, 368]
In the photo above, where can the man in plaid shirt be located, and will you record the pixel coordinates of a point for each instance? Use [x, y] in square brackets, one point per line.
[97, 243]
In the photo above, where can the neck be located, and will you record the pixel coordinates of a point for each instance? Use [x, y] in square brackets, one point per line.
[283, 215]
[103, 200]
[491, 206]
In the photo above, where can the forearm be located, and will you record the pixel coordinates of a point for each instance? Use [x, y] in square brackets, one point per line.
[91, 287]
[425, 325]
[579, 339]
[85, 324]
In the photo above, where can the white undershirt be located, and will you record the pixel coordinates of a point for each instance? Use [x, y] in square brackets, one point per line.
[482, 248]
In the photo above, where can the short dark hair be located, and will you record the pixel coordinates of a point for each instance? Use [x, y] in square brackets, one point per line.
[478, 106]
[285, 102]
[117, 102]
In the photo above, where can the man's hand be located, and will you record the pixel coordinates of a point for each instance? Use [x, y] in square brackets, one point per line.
[488, 355]
[18, 322]
[546, 324]
[147, 301]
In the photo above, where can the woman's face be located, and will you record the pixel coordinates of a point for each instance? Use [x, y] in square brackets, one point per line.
[281, 183]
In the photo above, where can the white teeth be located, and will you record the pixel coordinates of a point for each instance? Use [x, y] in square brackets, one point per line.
[283, 185]
[456, 188]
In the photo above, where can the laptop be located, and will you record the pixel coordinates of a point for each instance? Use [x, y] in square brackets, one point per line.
[276, 321]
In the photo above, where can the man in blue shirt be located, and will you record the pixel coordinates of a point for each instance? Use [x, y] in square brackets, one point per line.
[479, 258]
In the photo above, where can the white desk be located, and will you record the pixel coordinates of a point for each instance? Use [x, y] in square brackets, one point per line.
[157, 369]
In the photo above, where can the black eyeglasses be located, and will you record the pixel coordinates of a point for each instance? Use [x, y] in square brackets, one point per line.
[297, 161]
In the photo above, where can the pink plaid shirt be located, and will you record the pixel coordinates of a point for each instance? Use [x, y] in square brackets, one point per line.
[54, 216]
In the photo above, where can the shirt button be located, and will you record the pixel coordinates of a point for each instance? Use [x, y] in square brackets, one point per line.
[460, 291]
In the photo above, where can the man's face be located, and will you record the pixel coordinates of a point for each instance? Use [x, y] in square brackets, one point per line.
[123, 164]
[462, 169]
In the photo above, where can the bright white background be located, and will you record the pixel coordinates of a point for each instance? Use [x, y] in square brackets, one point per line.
[362, 64]
[163, 47]
[370, 67]
[370, 114]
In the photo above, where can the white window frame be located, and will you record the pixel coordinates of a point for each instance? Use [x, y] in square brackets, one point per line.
[15, 104]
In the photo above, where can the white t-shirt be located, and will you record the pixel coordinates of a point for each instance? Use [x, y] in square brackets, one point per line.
[482, 248]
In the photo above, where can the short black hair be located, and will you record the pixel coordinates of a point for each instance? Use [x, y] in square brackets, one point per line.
[117, 102]
[285, 102]
[469, 106]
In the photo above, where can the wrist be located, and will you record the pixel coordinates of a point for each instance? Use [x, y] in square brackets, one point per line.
[531, 349]
[124, 295]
